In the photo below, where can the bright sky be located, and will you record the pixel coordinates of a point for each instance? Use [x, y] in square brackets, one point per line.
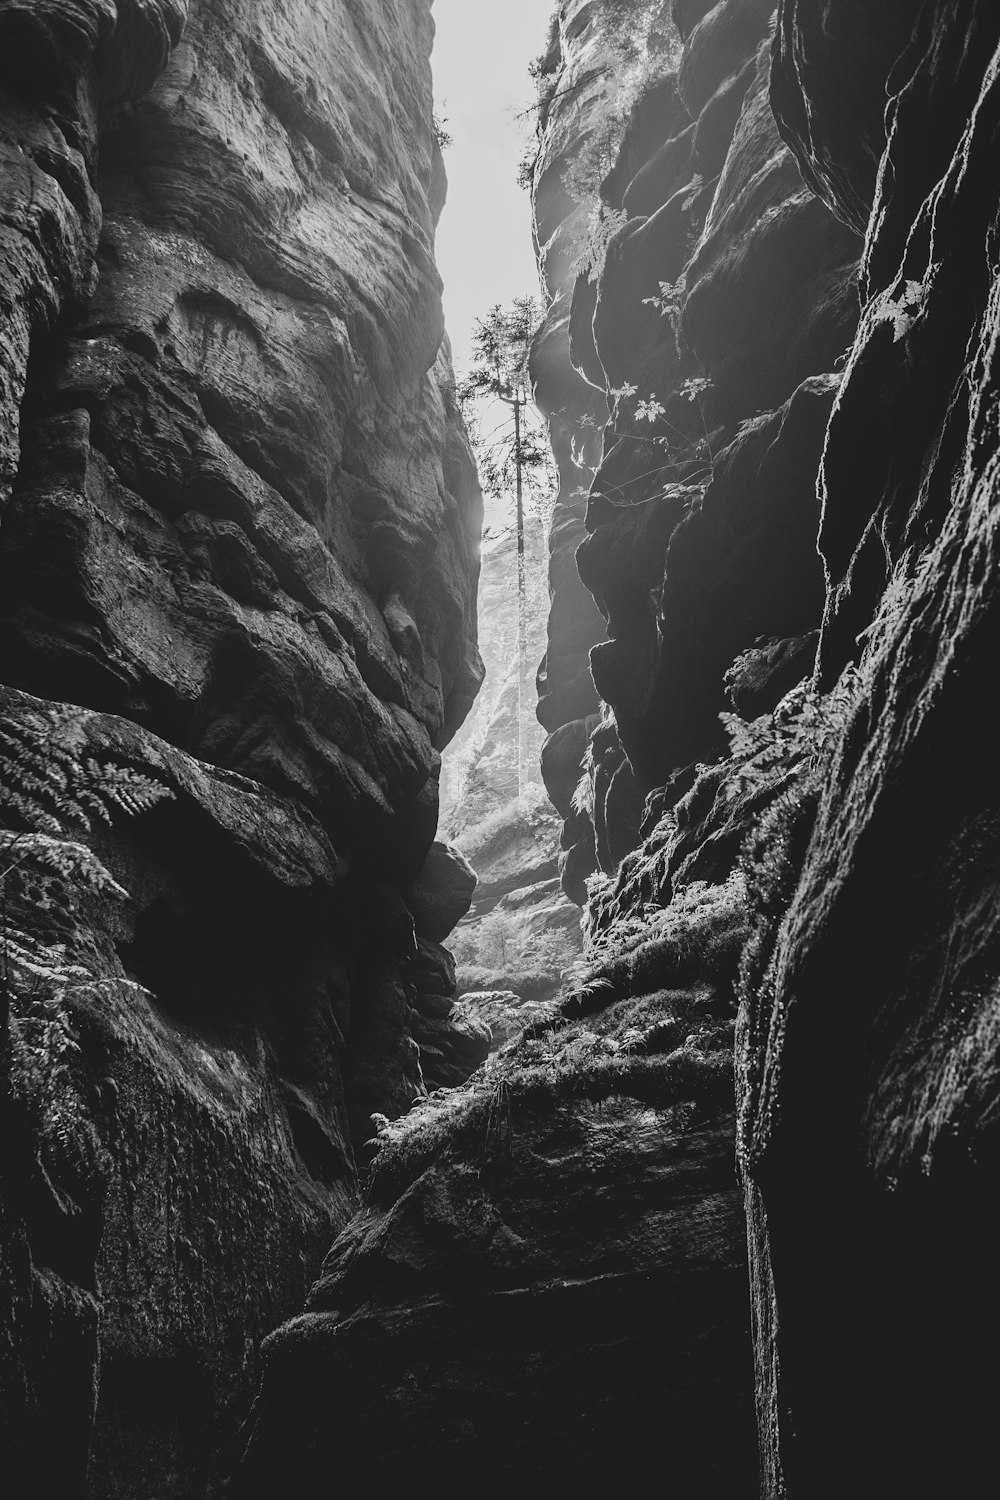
[481, 82]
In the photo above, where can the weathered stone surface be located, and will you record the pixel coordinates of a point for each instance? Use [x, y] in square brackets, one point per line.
[233, 406]
[739, 563]
[888, 933]
[560, 1381]
[575, 409]
[443, 892]
[182, 1143]
[701, 522]
[866, 837]
[240, 519]
[829, 97]
[553, 1279]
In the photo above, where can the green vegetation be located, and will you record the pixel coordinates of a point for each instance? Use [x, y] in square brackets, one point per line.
[551, 1066]
[515, 455]
[680, 938]
[647, 1017]
[792, 738]
[501, 951]
[641, 47]
[442, 134]
[53, 792]
[638, 45]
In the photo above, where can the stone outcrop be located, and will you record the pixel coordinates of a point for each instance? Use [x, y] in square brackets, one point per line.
[887, 939]
[795, 323]
[572, 91]
[712, 323]
[236, 574]
[240, 527]
[548, 1286]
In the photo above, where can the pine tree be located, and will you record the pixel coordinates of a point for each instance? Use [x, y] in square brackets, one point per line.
[518, 451]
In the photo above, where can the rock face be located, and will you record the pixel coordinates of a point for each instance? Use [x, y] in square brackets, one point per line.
[547, 1286]
[795, 325]
[724, 296]
[576, 412]
[240, 530]
[888, 936]
[236, 574]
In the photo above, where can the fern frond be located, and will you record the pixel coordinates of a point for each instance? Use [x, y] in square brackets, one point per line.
[37, 960]
[51, 782]
[71, 861]
[130, 790]
[30, 811]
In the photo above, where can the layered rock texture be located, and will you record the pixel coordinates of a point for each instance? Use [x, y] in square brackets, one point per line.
[238, 563]
[889, 939]
[576, 412]
[547, 1287]
[240, 527]
[710, 313]
[793, 320]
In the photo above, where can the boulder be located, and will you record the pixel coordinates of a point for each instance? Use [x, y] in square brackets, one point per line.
[443, 891]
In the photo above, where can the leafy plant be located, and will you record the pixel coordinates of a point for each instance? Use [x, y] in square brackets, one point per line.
[601, 226]
[54, 790]
[442, 134]
[793, 737]
[669, 301]
[649, 409]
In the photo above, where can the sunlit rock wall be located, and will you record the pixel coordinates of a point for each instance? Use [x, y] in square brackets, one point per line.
[723, 303]
[573, 81]
[240, 524]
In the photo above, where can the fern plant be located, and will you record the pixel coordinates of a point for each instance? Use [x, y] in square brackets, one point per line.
[791, 738]
[54, 791]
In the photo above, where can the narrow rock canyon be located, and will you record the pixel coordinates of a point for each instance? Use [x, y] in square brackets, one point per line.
[610, 1114]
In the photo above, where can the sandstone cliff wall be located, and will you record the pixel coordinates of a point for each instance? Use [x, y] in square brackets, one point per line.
[792, 323]
[711, 321]
[795, 326]
[573, 82]
[547, 1248]
[770, 361]
[240, 527]
[886, 939]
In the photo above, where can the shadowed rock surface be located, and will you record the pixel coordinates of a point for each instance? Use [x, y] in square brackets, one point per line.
[237, 569]
[572, 89]
[815, 489]
[550, 1269]
[888, 937]
[241, 523]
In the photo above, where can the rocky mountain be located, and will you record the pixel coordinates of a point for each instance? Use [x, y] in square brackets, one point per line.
[238, 565]
[769, 240]
[793, 321]
[719, 1216]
